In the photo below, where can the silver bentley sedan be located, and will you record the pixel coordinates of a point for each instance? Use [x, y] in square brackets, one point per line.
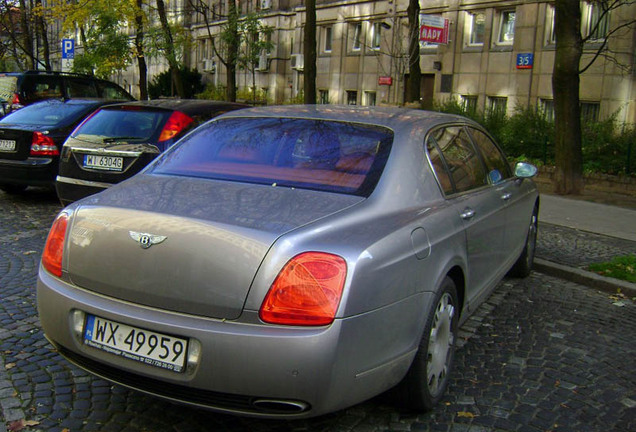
[290, 261]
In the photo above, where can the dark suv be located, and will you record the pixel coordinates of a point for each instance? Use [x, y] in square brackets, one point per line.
[18, 89]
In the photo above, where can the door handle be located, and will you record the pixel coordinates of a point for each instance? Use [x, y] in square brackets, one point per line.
[468, 213]
[506, 196]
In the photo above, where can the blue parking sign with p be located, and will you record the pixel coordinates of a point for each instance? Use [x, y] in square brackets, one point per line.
[68, 48]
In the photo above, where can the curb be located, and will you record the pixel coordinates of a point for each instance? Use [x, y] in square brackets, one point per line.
[585, 277]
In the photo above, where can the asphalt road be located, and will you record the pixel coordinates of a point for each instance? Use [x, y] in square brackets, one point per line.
[542, 354]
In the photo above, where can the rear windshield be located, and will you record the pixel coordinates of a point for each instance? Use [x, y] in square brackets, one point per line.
[46, 114]
[7, 87]
[118, 124]
[312, 154]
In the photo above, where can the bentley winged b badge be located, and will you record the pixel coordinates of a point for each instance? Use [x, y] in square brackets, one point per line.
[146, 240]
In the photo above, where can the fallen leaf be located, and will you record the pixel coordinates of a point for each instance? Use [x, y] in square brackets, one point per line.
[9, 366]
[465, 414]
[557, 383]
[19, 425]
[31, 252]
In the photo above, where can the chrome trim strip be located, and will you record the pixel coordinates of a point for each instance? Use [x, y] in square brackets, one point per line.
[106, 152]
[79, 182]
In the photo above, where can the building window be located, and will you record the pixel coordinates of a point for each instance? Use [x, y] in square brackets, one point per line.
[352, 97]
[550, 37]
[327, 38]
[497, 106]
[476, 28]
[590, 111]
[469, 103]
[356, 40]
[594, 21]
[376, 37]
[369, 97]
[323, 97]
[546, 107]
[506, 34]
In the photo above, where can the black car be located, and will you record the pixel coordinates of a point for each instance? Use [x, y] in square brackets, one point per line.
[119, 140]
[18, 89]
[31, 140]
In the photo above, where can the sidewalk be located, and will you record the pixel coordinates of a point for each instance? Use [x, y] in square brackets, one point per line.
[575, 233]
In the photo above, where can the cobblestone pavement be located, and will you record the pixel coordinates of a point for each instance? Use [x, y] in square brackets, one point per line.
[577, 248]
[542, 354]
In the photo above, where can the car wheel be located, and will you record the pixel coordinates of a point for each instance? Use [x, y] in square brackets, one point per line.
[427, 379]
[523, 265]
[13, 189]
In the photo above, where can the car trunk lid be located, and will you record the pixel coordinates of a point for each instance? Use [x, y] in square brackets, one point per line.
[209, 239]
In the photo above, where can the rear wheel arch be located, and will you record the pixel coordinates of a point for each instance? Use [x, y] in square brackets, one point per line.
[457, 275]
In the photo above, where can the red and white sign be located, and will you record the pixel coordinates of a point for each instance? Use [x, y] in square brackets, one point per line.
[433, 29]
[385, 80]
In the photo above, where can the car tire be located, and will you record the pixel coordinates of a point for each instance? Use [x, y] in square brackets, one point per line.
[522, 267]
[426, 381]
[13, 189]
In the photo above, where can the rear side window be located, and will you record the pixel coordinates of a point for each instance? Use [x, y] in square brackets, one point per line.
[42, 87]
[111, 91]
[78, 88]
[312, 154]
[112, 124]
[463, 163]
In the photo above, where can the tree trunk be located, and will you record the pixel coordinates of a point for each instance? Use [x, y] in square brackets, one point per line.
[141, 59]
[41, 29]
[413, 12]
[309, 52]
[232, 48]
[170, 51]
[27, 37]
[565, 87]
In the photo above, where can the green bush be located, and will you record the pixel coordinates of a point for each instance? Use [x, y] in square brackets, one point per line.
[161, 85]
[212, 92]
[607, 146]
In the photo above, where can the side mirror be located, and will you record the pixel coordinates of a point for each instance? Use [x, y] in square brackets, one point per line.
[525, 170]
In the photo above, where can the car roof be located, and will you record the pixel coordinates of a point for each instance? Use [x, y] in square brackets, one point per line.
[187, 106]
[391, 117]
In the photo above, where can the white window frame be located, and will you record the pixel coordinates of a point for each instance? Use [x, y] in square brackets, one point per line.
[376, 36]
[470, 28]
[547, 108]
[497, 105]
[503, 27]
[469, 103]
[550, 35]
[350, 93]
[590, 14]
[327, 40]
[356, 39]
[370, 98]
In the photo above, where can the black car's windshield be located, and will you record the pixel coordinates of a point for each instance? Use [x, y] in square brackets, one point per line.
[49, 114]
[314, 154]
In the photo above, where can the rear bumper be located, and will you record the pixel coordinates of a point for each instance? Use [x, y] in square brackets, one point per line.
[246, 367]
[29, 172]
[70, 189]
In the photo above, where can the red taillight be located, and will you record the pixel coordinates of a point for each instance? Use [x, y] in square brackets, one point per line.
[307, 291]
[54, 246]
[42, 145]
[16, 100]
[177, 122]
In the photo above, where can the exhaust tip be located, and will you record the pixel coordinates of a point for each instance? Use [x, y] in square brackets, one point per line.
[280, 406]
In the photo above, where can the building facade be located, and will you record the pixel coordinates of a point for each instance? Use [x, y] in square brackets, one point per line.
[499, 55]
